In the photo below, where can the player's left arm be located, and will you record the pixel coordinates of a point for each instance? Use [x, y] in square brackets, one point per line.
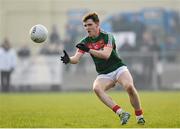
[107, 50]
[104, 53]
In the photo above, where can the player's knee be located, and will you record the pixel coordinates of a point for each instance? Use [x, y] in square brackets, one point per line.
[97, 88]
[130, 88]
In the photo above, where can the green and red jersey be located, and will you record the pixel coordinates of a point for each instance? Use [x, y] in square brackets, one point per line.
[104, 39]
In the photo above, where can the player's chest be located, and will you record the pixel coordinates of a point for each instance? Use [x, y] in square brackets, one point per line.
[96, 45]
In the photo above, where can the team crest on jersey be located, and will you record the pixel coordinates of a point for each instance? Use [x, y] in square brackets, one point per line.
[97, 45]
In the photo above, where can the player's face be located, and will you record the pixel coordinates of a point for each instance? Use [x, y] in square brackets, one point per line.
[92, 28]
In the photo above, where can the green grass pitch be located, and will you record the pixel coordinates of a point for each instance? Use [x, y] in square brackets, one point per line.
[84, 110]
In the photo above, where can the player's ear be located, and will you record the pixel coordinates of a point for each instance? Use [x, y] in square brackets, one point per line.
[97, 23]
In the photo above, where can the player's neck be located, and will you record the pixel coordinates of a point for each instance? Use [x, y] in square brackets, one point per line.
[96, 34]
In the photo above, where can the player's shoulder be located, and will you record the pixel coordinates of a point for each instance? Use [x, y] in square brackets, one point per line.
[105, 33]
[84, 40]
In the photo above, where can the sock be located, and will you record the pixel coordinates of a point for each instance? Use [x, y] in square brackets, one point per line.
[139, 114]
[117, 109]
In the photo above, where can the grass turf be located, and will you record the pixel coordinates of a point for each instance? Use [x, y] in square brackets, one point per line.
[83, 109]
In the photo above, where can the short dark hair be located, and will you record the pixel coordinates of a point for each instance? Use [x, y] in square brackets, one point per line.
[92, 16]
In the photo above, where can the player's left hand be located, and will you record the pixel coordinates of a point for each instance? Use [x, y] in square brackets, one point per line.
[65, 59]
[83, 47]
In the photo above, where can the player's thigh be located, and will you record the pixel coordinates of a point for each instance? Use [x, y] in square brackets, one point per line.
[125, 79]
[103, 84]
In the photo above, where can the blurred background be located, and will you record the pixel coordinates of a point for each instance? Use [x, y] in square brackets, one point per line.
[147, 34]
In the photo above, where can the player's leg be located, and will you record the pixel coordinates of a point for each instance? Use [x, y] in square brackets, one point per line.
[126, 80]
[100, 86]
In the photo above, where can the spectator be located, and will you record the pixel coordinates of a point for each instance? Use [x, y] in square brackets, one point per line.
[68, 45]
[54, 36]
[126, 46]
[24, 51]
[117, 22]
[149, 42]
[55, 45]
[168, 47]
[138, 27]
[7, 65]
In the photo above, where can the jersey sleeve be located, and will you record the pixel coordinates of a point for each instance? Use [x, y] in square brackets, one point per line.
[81, 51]
[109, 40]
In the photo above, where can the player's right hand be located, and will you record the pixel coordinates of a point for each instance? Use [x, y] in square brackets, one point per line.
[65, 59]
[83, 47]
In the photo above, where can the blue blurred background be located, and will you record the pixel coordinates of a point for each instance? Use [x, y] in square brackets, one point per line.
[147, 33]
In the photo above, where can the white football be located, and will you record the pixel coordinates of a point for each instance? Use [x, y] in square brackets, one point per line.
[38, 33]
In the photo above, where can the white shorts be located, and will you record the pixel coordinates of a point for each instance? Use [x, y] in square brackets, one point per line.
[113, 75]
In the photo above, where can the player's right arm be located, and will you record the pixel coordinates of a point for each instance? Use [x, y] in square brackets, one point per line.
[73, 59]
[76, 58]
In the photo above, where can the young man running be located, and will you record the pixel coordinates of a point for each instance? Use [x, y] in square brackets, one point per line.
[111, 70]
